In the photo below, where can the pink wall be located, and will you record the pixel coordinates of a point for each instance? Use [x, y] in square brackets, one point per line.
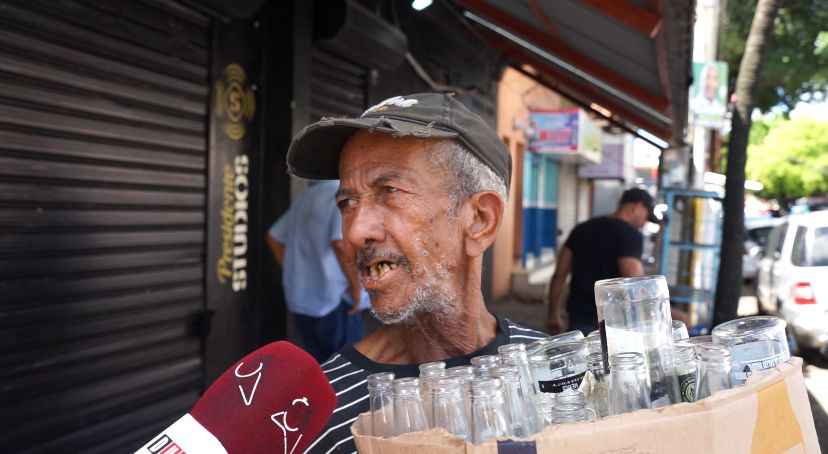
[516, 94]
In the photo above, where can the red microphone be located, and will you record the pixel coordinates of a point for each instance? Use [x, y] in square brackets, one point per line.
[274, 400]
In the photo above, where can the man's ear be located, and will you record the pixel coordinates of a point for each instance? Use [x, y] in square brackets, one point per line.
[485, 215]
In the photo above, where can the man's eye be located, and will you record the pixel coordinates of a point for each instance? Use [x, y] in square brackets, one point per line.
[345, 203]
[389, 189]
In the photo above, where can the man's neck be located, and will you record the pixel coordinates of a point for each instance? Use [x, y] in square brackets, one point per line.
[429, 338]
[623, 215]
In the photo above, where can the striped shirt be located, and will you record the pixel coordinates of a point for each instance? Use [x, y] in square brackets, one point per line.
[348, 369]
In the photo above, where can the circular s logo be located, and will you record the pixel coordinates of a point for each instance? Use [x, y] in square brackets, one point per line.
[235, 102]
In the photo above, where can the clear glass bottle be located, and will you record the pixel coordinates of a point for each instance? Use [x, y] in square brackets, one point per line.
[570, 406]
[465, 374]
[756, 344]
[539, 364]
[567, 413]
[679, 330]
[541, 344]
[447, 408]
[481, 364]
[429, 372]
[432, 366]
[628, 390]
[515, 355]
[488, 418]
[714, 369]
[563, 368]
[634, 316]
[381, 395]
[692, 341]
[593, 341]
[408, 407]
[598, 396]
[518, 418]
[686, 372]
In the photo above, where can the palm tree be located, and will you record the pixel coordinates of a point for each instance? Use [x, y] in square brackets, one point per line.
[728, 287]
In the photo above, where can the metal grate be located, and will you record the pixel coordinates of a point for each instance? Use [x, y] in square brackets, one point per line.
[338, 86]
[103, 126]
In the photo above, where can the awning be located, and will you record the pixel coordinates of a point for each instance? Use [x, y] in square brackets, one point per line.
[629, 60]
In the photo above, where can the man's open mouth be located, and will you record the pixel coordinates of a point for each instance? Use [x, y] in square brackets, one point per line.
[377, 270]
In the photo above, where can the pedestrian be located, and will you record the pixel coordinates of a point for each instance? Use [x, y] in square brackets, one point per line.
[423, 187]
[321, 290]
[604, 247]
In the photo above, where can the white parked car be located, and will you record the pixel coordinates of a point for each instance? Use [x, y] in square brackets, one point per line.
[793, 278]
[756, 237]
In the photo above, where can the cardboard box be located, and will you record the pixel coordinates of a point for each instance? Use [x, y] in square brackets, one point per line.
[770, 414]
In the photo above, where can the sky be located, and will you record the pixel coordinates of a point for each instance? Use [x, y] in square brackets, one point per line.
[815, 110]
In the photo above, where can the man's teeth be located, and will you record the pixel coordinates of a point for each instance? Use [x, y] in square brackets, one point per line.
[381, 268]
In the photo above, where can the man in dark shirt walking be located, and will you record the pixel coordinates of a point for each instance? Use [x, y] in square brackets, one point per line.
[600, 248]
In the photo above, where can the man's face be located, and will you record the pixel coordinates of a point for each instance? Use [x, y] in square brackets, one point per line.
[642, 213]
[711, 82]
[394, 209]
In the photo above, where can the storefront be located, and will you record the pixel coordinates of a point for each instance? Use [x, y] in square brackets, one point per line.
[142, 150]
[142, 159]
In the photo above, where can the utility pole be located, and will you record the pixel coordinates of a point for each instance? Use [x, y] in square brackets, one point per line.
[705, 48]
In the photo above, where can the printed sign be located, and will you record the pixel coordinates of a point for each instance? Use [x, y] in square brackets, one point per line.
[708, 94]
[566, 134]
[235, 103]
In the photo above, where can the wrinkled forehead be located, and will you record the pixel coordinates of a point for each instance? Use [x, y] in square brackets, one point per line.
[370, 152]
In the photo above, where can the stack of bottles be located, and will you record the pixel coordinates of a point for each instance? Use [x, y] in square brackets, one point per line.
[639, 359]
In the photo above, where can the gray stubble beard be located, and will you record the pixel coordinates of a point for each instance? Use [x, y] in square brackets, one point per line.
[432, 298]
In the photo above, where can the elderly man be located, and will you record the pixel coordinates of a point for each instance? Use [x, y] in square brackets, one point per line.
[423, 187]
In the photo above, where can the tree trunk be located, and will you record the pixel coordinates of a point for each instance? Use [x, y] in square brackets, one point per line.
[729, 285]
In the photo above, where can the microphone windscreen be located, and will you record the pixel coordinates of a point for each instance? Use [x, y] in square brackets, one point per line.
[274, 400]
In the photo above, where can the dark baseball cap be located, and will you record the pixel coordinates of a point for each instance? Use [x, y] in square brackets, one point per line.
[635, 195]
[314, 151]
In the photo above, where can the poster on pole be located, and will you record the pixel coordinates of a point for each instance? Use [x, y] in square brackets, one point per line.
[708, 94]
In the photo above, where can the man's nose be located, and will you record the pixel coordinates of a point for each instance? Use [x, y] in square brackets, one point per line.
[365, 225]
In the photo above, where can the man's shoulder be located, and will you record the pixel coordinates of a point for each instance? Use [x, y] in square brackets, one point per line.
[322, 190]
[584, 230]
[598, 221]
[349, 382]
[609, 223]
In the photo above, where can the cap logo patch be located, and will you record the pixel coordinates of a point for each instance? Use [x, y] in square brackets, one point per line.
[396, 101]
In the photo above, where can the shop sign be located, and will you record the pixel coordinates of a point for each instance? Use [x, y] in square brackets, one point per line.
[568, 134]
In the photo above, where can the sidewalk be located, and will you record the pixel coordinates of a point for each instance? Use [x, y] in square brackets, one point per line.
[532, 314]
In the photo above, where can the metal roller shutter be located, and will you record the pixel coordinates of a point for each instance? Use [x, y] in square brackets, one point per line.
[103, 126]
[338, 86]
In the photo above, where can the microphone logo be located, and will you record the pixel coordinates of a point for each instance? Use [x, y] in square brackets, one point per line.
[164, 445]
[248, 379]
[299, 411]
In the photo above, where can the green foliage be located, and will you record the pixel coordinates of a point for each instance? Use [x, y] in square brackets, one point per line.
[796, 63]
[792, 160]
[759, 129]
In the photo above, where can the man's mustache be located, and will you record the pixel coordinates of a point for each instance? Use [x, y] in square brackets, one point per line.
[370, 254]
